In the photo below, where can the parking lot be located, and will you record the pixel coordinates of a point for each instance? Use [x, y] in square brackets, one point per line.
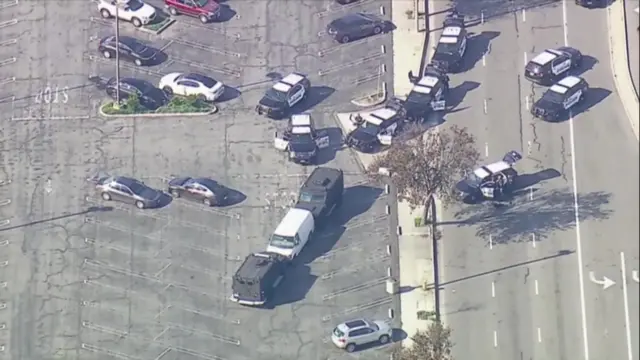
[153, 284]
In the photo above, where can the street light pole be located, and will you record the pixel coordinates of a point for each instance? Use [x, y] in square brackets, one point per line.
[117, 104]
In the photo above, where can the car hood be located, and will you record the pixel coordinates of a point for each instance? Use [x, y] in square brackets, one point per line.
[270, 103]
[441, 57]
[361, 135]
[314, 209]
[548, 106]
[169, 79]
[178, 181]
[146, 11]
[280, 251]
[302, 146]
[383, 325]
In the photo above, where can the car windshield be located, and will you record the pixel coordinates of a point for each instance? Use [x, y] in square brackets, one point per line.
[447, 48]
[135, 5]
[418, 98]
[338, 333]
[137, 188]
[311, 197]
[201, 3]
[370, 128]
[301, 138]
[276, 95]
[553, 97]
[473, 179]
[283, 242]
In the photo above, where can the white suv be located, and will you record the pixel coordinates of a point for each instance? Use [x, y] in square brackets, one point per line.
[353, 333]
[134, 11]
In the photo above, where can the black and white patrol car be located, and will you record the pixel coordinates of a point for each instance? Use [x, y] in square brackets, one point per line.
[374, 130]
[302, 140]
[452, 45]
[560, 98]
[552, 64]
[284, 95]
[427, 95]
[490, 182]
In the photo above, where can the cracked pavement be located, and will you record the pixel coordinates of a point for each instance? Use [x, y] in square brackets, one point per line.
[85, 279]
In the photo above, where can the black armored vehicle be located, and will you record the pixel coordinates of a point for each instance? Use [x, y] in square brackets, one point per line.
[257, 278]
[490, 182]
[322, 192]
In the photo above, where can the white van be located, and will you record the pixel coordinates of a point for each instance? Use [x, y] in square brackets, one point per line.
[292, 234]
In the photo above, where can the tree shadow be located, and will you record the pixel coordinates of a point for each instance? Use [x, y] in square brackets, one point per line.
[457, 94]
[315, 96]
[294, 287]
[477, 46]
[542, 214]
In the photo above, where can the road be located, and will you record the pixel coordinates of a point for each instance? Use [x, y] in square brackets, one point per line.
[85, 279]
[511, 276]
[633, 39]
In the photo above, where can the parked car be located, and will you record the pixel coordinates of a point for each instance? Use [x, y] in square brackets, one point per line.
[128, 190]
[129, 49]
[353, 333]
[202, 190]
[192, 84]
[205, 10]
[355, 26]
[149, 96]
[134, 11]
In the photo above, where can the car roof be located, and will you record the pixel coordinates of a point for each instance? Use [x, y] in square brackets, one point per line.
[448, 39]
[126, 181]
[422, 89]
[497, 167]
[452, 31]
[355, 324]
[381, 115]
[198, 77]
[129, 41]
[322, 177]
[291, 222]
[570, 81]
[301, 120]
[429, 81]
[557, 88]
[282, 87]
[208, 183]
[352, 18]
[292, 79]
[255, 266]
[301, 130]
[544, 57]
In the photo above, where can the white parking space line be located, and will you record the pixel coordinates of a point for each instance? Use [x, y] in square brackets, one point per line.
[625, 293]
[539, 335]
[533, 240]
[346, 65]
[536, 287]
[358, 308]
[348, 46]
[201, 66]
[206, 48]
[495, 338]
[8, 61]
[525, 59]
[8, 42]
[493, 289]
[490, 242]
[111, 353]
[5, 24]
[354, 288]
[7, 4]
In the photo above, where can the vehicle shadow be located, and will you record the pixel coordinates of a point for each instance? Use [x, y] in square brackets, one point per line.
[294, 287]
[229, 94]
[226, 14]
[522, 182]
[588, 63]
[316, 95]
[477, 46]
[165, 200]
[540, 214]
[160, 58]
[388, 27]
[374, 345]
[335, 144]
[457, 94]
[234, 197]
[591, 99]
[361, 198]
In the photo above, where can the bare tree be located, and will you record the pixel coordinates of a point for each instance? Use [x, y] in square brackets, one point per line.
[429, 166]
[431, 344]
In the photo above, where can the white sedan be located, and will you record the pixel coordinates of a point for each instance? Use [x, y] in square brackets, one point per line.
[199, 85]
[134, 11]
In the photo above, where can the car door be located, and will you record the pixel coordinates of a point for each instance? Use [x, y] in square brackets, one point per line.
[125, 51]
[322, 139]
[189, 7]
[196, 192]
[573, 96]
[560, 65]
[124, 11]
[187, 87]
[125, 194]
[358, 336]
[281, 141]
[295, 94]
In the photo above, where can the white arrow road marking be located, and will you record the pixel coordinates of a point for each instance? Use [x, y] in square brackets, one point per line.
[605, 282]
[634, 276]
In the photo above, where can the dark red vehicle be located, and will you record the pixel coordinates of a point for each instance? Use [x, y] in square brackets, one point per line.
[205, 10]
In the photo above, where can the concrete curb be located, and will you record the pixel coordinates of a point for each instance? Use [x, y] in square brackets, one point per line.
[362, 102]
[157, 115]
[616, 21]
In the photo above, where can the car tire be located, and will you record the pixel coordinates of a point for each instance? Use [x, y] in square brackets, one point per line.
[136, 22]
[168, 90]
[105, 13]
[377, 30]
[173, 11]
[350, 348]
[140, 205]
[175, 193]
[106, 196]
[201, 98]
[106, 54]
[384, 339]
[207, 202]
[344, 39]
[204, 19]
[138, 62]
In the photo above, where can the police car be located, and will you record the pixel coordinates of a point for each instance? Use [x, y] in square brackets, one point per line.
[552, 64]
[374, 130]
[560, 98]
[492, 181]
[301, 139]
[452, 45]
[428, 94]
[284, 95]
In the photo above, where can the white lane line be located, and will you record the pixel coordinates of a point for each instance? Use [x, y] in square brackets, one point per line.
[626, 305]
[526, 101]
[583, 306]
[484, 60]
[525, 59]
[535, 284]
[493, 289]
[533, 240]
[485, 106]
[486, 149]
[490, 243]
[531, 199]
[539, 335]
[524, 15]
[495, 338]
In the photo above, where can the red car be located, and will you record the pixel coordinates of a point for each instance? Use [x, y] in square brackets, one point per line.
[205, 10]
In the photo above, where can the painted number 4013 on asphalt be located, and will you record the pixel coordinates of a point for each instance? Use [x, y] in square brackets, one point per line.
[53, 95]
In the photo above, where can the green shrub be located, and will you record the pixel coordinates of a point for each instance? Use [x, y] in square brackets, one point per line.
[177, 104]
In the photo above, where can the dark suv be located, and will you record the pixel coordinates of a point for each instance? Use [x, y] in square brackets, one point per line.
[257, 278]
[322, 192]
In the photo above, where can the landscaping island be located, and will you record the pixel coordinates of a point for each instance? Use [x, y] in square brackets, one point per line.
[177, 105]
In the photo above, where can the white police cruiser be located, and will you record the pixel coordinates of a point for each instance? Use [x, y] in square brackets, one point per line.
[374, 130]
[301, 139]
[452, 45]
[552, 64]
[284, 95]
[560, 98]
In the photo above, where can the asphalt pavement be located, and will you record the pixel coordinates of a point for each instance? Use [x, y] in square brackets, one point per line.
[511, 276]
[84, 278]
